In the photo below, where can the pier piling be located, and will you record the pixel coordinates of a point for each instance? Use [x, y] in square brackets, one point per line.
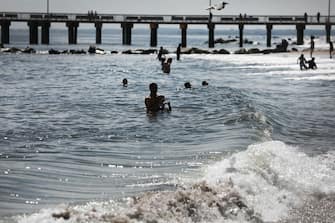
[45, 32]
[126, 33]
[268, 34]
[72, 31]
[33, 32]
[300, 34]
[5, 31]
[153, 34]
[328, 32]
[98, 32]
[183, 27]
[211, 28]
[241, 27]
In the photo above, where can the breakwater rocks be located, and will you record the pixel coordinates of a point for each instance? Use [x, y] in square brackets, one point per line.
[94, 50]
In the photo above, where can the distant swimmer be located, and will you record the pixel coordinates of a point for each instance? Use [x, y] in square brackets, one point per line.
[125, 82]
[187, 85]
[154, 102]
[204, 83]
[302, 62]
[166, 66]
[219, 6]
[331, 49]
[160, 53]
[312, 45]
[312, 64]
[178, 51]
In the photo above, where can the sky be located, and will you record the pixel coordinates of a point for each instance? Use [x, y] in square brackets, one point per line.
[180, 7]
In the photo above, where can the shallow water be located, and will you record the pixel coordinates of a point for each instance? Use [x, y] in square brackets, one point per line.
[70, 133]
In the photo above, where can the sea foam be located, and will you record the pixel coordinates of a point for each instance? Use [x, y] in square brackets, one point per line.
[260, 184]
[274, 177]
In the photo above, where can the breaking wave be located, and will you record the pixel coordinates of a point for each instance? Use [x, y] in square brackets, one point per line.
[260, 184]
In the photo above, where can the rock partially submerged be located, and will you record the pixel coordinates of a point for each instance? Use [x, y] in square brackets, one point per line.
[95, 50]
[224, 41]
[142, 51]
[195, 50]
[28, 50]
[53, 51]
[11, 50]
[221, 51]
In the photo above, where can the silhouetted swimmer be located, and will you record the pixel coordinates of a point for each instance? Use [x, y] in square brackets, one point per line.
[312, 64]
[331, 49]
[302, 62]
[154, 102]
[204, 83]
[125, 82]
[178, 51]
[187, 85]
[160, 53]
[166, 66]
[312, 45]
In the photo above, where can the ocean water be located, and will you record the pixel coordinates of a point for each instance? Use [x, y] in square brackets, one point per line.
[77, 146]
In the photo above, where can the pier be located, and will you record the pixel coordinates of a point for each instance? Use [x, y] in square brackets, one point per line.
[127, 22]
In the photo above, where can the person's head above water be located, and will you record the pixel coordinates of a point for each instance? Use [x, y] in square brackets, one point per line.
[204, 83]
[188, 85]
[125, 82]
[153, 89]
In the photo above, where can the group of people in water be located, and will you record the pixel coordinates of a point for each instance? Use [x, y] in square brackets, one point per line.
[308, 64]
[166, 62]
[303, 63]
[311, 64]
[155, 103]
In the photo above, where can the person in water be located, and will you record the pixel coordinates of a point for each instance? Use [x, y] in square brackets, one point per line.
[331, 49]
[160, 53]
[166, 66]
[155, 103]
[187, 85]
[312, 45]
[178, 51]
[312, 64]
[125, 82]
[302, 62]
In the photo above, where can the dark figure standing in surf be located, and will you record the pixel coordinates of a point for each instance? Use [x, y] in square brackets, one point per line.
[155, 103]
[178, 51]
[302, 62]
[331, 49]
[160, 53]
[312, 45]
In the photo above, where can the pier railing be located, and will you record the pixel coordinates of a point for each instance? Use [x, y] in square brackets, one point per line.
[127, 21]
[165, 19]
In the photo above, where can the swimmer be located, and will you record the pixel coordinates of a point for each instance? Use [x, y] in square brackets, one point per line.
[204, 83]
[302, 62]
[166, 66]
[187, 85]
[312, 64]
[154, 102]
[125, 82]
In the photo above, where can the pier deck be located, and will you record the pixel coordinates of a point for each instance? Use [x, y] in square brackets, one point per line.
[127, 21]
